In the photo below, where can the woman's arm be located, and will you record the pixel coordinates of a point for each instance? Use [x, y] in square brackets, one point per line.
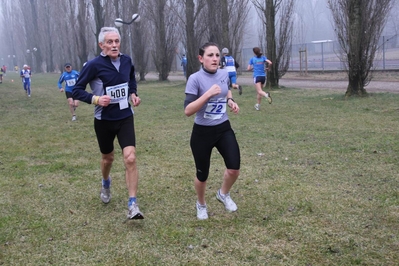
[269, 63]
[193, 107]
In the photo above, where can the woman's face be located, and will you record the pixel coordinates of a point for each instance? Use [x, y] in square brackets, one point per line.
[211, 58]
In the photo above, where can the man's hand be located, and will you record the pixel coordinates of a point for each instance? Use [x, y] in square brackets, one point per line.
[104, 100]
[135, 100]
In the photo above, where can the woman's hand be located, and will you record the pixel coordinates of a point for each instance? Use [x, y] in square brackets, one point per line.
[214, 90]
[233, 106]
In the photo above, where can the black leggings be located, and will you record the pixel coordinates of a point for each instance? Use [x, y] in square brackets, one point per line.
[204, 138]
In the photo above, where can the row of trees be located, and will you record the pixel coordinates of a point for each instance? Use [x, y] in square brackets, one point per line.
[67, 31]
[62, 31]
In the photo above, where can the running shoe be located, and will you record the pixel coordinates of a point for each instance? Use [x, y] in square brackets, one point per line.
[134, 212]
[257, 107]
[105, 195]
[227, 201]
[268, 97]
[239, 89]
[74, 118]
[202, 213]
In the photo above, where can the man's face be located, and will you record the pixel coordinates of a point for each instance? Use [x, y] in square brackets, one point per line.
[68, 68]
[111, 45]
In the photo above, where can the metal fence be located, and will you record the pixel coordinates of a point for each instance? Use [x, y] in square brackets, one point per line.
[324, 55]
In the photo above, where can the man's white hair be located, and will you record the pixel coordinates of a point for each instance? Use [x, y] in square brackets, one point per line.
[105, 30]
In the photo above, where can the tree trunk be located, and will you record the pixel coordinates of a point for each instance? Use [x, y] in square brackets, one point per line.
[192, 61]
[224, 42]
[214, 21]
[356, 83]
[99, 19]
[272, 75]
[355, 86]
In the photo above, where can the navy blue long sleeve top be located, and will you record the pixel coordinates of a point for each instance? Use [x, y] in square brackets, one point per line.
[107, 76]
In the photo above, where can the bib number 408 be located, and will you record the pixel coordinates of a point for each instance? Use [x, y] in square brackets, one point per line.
[119, 93]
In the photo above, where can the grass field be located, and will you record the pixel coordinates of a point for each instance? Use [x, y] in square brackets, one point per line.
[319, 182]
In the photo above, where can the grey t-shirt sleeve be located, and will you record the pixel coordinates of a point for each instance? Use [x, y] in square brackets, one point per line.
[189, 99]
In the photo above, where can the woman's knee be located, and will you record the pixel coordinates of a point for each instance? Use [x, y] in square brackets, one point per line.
[233, 172]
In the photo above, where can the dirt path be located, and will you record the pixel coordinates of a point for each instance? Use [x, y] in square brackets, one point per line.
[374, 86]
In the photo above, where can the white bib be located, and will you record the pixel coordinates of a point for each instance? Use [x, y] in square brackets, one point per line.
[215, 108]
[70, 82]
[119, 94]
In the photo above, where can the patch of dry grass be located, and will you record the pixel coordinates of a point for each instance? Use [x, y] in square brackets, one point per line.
[318, 184]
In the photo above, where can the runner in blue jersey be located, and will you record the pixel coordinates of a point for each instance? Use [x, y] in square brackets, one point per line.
[257, 64]
[26, 75]
[112, 80]
[229, 63]
[184, 65]
[208, 96]
[69, 76]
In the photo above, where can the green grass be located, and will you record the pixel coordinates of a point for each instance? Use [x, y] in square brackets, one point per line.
[324, 192]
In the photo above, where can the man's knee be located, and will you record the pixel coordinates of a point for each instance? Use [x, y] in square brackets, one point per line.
[108, 158]
[130, 158]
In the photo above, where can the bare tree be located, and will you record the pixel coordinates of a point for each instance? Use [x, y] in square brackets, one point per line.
[238, 11]
[165, 27]
[278, 38]
[13, 34]
[99, 19]
[358, 26]
[140, 47]
[31, 18]
[226, 21]
[218, 22]
[134, 41]
[194, 29]
[81, 32]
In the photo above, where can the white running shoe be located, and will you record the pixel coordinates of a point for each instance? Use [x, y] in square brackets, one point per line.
[229, 204]
[134, 212]
[257, 107]
[74, 118]
[105, 195]
[202, 213]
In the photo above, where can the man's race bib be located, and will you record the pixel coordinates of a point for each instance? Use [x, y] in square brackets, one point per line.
[70, 82]
[119, 94]
[215, 108]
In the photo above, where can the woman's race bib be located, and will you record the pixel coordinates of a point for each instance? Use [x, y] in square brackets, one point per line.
[216, 108]
[119, 94]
